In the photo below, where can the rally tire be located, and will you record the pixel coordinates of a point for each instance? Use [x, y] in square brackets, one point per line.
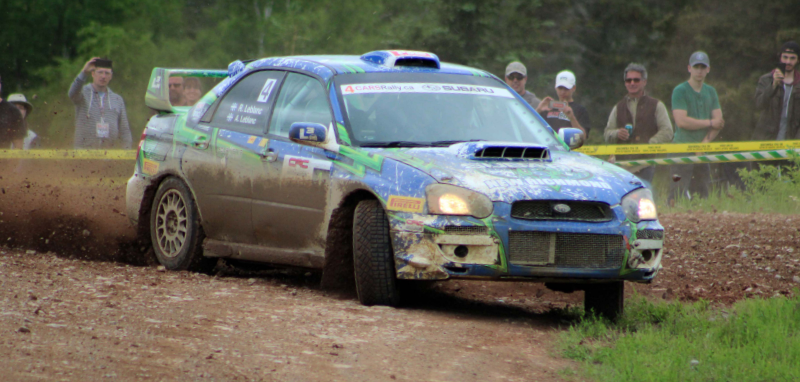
[373, 257]
[605, 299]
[175, 232]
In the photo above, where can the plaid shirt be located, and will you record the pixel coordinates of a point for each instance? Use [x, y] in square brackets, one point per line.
[90, 108]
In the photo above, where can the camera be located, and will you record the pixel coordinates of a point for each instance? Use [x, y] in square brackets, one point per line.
[782, 67]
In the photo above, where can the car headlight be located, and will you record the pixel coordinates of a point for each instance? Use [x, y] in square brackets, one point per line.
[444, 199]
[638, 205]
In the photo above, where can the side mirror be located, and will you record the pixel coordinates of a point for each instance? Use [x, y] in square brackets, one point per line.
[572, 137]
[306, 132]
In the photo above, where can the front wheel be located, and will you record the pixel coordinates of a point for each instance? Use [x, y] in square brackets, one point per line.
[174, 229]
[606, 299]
[373, 257]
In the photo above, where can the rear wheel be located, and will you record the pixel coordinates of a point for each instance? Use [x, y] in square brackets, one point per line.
[606, 299]
[174, 229]
[373, 257]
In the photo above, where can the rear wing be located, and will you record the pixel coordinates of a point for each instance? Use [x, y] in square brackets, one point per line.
[157, 95]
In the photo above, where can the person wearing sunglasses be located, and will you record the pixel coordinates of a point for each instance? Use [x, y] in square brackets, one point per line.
[516, 78]
[647, 117]
[698, 117]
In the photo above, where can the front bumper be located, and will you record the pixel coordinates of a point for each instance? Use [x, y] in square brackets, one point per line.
[431, 247]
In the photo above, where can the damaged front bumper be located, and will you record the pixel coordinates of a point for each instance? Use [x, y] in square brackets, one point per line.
[434, 247]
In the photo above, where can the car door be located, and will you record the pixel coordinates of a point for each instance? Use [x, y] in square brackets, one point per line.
[289, 197]
[224, 187]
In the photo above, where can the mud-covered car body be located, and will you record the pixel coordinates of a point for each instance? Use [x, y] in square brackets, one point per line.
[279, 186]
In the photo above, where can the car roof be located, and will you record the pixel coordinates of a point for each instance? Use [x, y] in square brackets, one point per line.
[327, 66]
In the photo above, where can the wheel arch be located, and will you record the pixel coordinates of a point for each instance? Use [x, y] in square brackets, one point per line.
[143, 228]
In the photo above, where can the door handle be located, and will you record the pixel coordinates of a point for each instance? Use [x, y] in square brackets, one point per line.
[200, 142]
[269, 156]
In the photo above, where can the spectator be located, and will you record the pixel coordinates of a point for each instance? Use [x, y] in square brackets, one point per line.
[100, 117]
[12, 124]
[647, 116]
[176, 91]
[192, 90]
[698, 117]
[25, 108]
[572, 114]
[517, 77]
[777, 98]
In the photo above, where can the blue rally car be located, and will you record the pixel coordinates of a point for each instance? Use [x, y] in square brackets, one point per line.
[392, 164]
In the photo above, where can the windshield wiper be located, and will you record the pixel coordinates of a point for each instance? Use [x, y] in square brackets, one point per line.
[450, 143]
[395, 144]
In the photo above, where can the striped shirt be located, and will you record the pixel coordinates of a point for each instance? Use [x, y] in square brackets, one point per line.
[90, 108]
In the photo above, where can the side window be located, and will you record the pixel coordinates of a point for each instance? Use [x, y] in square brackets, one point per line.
[302, 99]
[245, 107]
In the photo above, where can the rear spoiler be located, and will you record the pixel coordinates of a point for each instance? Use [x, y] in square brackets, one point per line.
[157, 95]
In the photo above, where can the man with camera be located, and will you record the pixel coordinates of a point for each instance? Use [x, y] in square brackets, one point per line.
[100, 117]
[778, 98]
[565, 112]
[638, 119]
[516, 78]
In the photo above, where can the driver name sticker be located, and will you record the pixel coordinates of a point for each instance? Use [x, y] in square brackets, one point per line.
[266, 90]
[429, 88]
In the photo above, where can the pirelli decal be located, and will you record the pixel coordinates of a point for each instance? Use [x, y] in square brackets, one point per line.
[405, 204]
[149, 167]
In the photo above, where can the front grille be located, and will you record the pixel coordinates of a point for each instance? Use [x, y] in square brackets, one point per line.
[545, 210]
[465, 230]
[650, 234]
[565, 250]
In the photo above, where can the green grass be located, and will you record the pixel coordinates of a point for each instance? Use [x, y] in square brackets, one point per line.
[766, 192]
[754, 340]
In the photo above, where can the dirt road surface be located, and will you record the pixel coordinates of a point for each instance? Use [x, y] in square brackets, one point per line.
[81, 301]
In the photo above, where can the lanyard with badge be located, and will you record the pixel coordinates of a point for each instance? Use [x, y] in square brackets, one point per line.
[102, 126]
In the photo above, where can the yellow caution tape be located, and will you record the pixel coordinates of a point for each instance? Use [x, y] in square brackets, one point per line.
[69, 154]
[672, 148]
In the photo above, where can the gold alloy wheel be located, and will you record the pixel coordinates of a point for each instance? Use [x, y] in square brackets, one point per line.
[171, 223]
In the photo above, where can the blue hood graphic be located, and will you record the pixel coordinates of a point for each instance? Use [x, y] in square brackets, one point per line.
[563, 176]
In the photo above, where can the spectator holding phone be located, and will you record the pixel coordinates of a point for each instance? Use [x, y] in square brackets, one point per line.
[100, 117]
[698, 117]
[646, 116]
[516, 78]
[565, 112]
[778, 98]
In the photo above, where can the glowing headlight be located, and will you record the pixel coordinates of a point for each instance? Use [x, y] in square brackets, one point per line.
[638, 205]
[444, 199]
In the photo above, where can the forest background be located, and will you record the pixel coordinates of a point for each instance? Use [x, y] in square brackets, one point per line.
[46, 42]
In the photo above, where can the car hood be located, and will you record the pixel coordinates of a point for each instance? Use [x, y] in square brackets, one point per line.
[561, 176]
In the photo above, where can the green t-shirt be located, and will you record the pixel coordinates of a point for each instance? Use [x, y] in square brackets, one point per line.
[698, 105]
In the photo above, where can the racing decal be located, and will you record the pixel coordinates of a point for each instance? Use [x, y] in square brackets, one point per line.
[303, 167]
[149, 167]
[266, 90]
[410, 53]
[508, 183]
[263, 142]
[428, 88]
[361, 161]
[405, 204]
[251, 140]
[412, 226]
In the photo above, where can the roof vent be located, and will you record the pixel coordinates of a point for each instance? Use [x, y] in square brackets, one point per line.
[405, 58]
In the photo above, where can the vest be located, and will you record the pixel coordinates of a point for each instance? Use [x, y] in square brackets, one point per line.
[645, 127]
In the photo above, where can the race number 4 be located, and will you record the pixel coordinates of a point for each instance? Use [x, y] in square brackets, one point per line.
[266, 90]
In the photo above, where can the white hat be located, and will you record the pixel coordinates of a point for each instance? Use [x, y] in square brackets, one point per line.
[566, 79]
[20, 99]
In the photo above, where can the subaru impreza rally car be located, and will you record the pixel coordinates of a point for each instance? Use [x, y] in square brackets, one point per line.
[393, 164]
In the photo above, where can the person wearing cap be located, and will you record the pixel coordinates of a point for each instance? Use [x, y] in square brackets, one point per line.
[516, 78]
[647, 116]
[778, 98]
[25, 108]
[12, 124]
[100, 117]
[572, 114]
[698, 117]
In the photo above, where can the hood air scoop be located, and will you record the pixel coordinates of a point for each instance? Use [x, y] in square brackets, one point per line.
[513, 152]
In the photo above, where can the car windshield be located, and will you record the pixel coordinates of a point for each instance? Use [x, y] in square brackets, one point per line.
[416, 109]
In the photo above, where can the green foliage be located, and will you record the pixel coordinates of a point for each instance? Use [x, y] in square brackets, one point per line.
[674, 342]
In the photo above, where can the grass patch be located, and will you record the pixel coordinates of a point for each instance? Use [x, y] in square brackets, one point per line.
[755, 340]
[767, 191]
